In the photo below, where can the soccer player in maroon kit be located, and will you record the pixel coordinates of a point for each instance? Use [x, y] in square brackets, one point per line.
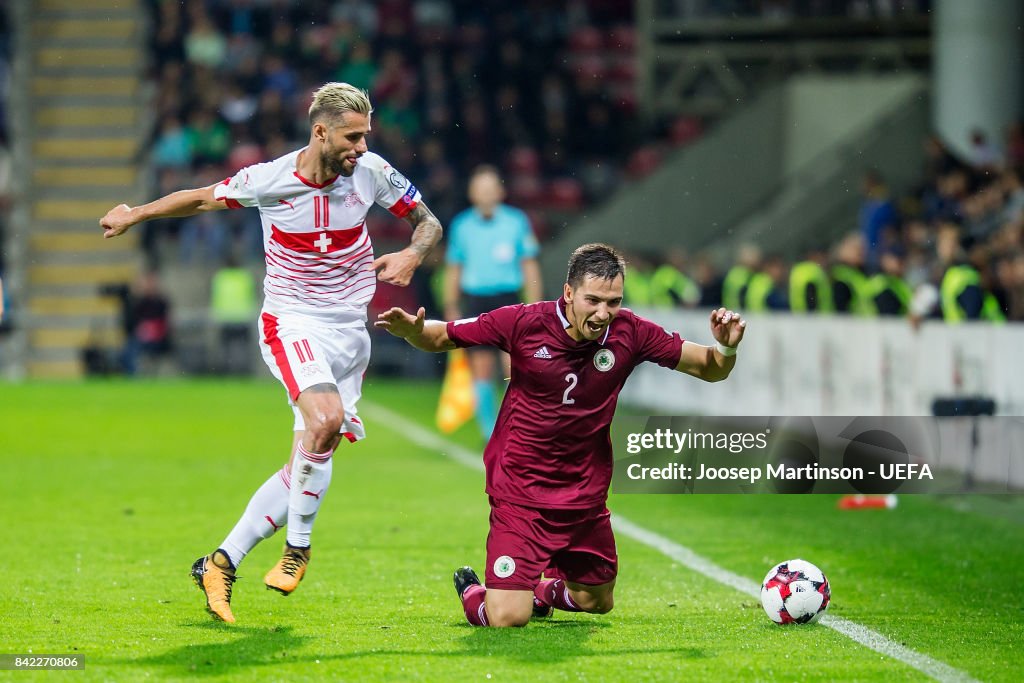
[549, 462]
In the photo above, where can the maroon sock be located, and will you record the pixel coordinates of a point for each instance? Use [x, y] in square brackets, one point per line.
[473, 604]
[554, 592]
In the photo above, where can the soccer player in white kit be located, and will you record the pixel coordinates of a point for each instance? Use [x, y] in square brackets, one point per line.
[321, 274]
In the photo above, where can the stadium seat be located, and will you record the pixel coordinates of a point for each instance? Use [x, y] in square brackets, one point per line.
[623, 70]
[523, 161]
[564, 194]
[643, 162]
[685, 130]
[588, 67]
[244, 155]
[623, 96]
[525, 190]
[540, 224]
[586, 39]
[621, 39]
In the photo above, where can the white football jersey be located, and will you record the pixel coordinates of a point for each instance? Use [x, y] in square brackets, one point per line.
[318, 250]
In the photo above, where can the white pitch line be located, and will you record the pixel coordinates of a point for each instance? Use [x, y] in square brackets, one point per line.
[940, 671]
[861, 634]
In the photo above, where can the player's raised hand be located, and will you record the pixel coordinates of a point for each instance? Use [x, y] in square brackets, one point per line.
[116, 221]
[396, 268]
[727, 327]
[401, 324]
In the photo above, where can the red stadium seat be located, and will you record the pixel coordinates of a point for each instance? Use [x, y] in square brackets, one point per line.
[564, 194]
[623, 96]
[540, 224]
[523, 161]
[525, 190]
[643, 162]
[244, 155]
[588, 66]
[623, 71]
[622, 39]
[387, 296]
[587, 39]
[685, 130]
[382, 226]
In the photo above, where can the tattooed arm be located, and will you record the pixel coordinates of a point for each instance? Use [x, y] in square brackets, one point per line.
[397, 268]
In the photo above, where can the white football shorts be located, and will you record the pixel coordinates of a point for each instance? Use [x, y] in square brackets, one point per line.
[301, 354]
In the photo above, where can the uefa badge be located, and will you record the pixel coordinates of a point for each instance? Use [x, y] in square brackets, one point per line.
[604, 360]
[504, 567]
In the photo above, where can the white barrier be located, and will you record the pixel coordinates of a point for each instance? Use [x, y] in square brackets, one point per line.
[791, 365]
[837, 365]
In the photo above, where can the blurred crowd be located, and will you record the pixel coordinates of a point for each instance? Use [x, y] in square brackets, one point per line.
[6, 178]
[781, 10]
[950, 248]
[543, 90]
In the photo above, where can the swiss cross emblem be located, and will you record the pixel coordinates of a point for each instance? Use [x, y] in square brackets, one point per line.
[604, 360]
[322, 242]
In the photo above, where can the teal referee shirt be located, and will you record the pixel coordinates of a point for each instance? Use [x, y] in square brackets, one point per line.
[490, 250]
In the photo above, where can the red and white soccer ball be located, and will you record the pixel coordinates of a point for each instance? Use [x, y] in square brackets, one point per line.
[795, 592]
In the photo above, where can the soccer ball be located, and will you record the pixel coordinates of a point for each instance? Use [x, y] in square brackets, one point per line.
[795, 592]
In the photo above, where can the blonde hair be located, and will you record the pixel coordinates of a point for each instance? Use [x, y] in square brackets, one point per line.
[331, 100]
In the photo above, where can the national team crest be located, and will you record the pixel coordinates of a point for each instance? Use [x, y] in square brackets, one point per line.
[504, 567]
[604, 360]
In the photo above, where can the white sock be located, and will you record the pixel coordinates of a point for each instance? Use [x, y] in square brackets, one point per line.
[311, 476]
[265, 514]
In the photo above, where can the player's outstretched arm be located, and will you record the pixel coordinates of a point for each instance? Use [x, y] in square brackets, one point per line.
[397, 268]
[714, 363]
[425, 335]
[175, 205]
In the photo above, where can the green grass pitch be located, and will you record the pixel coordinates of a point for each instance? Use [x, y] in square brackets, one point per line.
[111, 489]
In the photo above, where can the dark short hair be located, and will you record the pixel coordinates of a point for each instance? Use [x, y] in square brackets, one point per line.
[597, 260]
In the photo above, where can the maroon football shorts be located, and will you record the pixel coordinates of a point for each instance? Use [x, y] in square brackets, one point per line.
[574, 545]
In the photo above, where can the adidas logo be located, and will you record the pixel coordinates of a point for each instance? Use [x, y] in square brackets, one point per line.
[542, 353]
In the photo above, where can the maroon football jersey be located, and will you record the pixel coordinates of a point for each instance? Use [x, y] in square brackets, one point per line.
[551, 447]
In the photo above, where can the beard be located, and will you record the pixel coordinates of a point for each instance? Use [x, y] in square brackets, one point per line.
[330, 160]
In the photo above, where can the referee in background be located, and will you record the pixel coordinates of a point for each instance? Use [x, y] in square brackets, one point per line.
[491, 262]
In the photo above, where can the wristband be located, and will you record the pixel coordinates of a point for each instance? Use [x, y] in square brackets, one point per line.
[725, 350]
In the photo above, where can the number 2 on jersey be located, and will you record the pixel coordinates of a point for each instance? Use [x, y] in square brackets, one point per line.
[571, 379]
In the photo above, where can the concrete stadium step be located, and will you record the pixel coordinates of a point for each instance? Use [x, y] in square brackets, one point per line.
[81, 241]
[64, 134]
[85, 85]
[63, 306]
[73, 321]
[71, 368]
[80, 117]
[70, 209]
[122, 149]
[110, 193]
[95, 29]
[86, 57]
[100, 131]
[86, 100]
[71, 70]
[118, 177]
[111, 254]
[81, 5]
[89, 276]
[84, 225]
[75, 337]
